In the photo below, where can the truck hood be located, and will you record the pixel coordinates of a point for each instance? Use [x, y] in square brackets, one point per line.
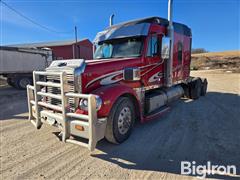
[104, 72]
[69, 66]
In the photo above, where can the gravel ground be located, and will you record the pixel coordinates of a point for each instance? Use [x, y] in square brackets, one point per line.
[207, 129]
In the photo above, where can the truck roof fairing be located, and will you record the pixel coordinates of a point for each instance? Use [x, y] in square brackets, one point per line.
[116, 32]
[139, 27]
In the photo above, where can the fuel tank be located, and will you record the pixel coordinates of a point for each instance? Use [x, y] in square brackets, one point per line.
[159, 98]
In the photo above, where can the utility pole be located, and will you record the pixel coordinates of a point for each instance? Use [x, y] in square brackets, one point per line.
[76, 49]
[75, 33]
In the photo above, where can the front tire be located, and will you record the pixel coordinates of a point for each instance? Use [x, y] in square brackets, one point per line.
[120, 121]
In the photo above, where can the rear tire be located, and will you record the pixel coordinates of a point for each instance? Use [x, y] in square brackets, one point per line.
[195, 87]
[120, 121]
[186, 90]
[22, 82]
[204, 87]
[10, 82]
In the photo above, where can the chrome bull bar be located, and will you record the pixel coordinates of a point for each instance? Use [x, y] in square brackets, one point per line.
[92, 128]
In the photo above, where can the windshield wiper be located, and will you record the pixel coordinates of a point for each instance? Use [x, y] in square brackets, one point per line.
[126, 56]
[103, 58]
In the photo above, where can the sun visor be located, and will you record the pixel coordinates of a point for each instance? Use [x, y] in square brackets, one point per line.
[123, 31]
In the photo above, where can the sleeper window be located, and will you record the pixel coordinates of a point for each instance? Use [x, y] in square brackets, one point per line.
[180, 51]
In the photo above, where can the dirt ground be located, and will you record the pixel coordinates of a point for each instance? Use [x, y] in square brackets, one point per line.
[207, 129]
[228, 60]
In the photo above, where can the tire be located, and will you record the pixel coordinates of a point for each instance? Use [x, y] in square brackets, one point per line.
[120, 123]
[186, 90]
[204, 87]
[10, 82]
[195, 87]
[22, 82]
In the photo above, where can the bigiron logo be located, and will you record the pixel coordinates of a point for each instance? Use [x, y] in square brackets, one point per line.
[191, 168]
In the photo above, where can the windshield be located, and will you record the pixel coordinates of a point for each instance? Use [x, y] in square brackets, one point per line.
[130, 47]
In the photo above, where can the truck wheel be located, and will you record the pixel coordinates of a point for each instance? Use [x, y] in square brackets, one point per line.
[120, 121]
[195, 87]
[204, 87]
[186, 90]
[10, 82]
[22, 82]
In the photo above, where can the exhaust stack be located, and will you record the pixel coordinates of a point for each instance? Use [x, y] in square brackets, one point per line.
[111, 20]
[171, 37]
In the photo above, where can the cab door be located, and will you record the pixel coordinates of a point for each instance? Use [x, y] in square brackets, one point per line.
[153, 70]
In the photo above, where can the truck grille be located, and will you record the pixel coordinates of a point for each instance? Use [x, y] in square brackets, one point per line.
[56, 90]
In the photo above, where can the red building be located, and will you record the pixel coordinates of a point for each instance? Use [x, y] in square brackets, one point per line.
[83, 49]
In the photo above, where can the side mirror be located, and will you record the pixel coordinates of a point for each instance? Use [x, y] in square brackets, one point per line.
[131, 74]
[165, 48]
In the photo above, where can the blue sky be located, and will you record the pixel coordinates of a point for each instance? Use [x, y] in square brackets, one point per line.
[215, 23]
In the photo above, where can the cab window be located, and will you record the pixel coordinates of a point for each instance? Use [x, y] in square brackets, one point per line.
[153, 46]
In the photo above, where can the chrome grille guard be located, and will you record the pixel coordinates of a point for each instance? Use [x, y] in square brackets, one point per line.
[92, 129]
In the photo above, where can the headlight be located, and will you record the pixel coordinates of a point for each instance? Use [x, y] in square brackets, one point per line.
[98, 103]
[84, 103]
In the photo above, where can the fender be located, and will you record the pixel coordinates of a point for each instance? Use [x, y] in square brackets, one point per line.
[109, 95]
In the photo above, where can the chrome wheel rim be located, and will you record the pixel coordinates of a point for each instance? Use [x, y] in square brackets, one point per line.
[124, 120]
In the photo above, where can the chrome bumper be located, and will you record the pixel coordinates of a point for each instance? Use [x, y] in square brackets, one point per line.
[40, 112]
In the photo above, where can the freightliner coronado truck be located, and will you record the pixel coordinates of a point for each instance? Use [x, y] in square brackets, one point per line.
[139, 68]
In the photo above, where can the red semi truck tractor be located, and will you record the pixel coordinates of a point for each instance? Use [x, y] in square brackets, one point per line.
[139, 68]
